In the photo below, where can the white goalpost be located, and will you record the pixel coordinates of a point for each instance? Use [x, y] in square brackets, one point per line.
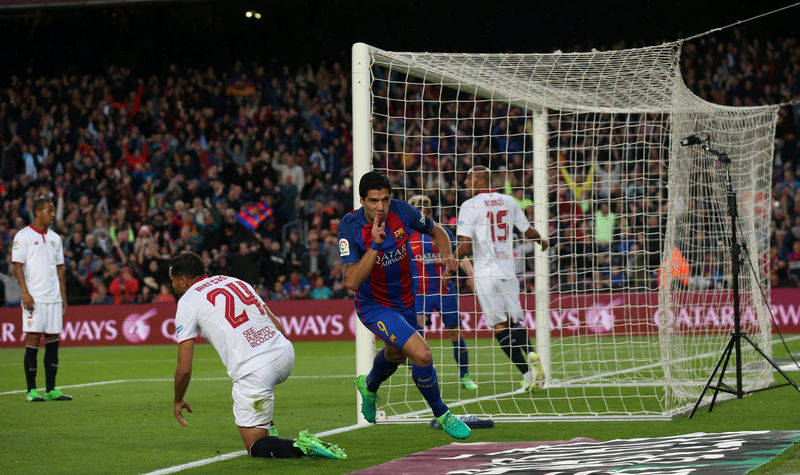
[631, 306]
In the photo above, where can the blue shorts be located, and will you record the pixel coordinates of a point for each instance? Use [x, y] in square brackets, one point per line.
[393, 326]
[446, 305]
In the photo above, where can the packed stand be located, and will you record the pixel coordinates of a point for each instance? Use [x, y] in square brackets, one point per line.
[241, 168]
[608, 199]
[756, 71]
[246, 167]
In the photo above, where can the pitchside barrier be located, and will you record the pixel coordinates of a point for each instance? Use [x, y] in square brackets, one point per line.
[634, 313]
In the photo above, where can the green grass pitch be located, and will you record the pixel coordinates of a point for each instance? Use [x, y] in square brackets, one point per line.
[126, 425]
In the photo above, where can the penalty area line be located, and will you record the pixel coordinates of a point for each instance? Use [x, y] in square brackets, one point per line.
[239, 453]
[165, 380]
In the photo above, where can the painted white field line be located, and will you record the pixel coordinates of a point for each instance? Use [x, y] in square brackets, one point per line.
[167, 380]
[577, 381]
[220, 458]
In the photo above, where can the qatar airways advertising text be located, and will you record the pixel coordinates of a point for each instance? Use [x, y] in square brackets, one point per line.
[316, 320]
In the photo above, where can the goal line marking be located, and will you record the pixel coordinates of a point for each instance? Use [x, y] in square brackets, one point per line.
[239, 453]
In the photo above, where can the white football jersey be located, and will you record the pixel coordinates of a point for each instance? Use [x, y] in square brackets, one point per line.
[487, 219]
[232, 317]
[40, 253]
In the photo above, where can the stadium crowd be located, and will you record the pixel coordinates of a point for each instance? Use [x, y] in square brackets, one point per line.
[248, 168]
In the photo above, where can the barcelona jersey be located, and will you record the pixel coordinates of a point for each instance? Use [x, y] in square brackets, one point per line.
[390, 282]
[427, 266]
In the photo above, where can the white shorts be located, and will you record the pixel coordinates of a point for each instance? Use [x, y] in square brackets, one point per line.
[499, 299]
[45, 318]
[253, 395]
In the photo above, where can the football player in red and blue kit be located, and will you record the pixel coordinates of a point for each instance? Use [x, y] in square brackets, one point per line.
[376, 263]
[434, 292]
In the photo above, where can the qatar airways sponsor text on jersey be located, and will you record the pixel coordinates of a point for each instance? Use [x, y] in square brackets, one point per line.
[389, 282]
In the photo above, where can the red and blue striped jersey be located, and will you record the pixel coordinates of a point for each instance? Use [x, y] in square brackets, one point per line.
[427, 266]
[390, 282]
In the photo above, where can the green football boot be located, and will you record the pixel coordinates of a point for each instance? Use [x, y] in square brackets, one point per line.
[56, 395]
[454, 426]
[34, 396]
[368, 399]
[468, 383]
[313, 447]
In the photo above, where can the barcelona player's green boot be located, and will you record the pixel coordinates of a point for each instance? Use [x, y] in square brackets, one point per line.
[468, 383]
[368, 399]
[454, 426]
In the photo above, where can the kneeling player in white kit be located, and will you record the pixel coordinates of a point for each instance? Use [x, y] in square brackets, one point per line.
[249, 339]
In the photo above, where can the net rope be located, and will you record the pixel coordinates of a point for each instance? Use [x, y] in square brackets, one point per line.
[639, 269]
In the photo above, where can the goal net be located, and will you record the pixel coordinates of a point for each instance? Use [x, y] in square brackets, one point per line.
[632, 306]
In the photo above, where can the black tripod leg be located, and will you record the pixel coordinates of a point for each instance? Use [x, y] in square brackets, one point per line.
[728, 351]
[724, 356]
[774, 365]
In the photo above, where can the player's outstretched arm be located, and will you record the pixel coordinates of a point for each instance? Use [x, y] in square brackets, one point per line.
[183, 374]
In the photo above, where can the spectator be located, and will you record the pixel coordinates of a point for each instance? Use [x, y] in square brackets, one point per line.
[298, 286]
[100, 296]
[294, 251]
[604, 224]
[12, 294]
[793, 260]
[290, 169]
[275, 264]
[244, 264]
[136, 167]
[125, 287]
[279, 292]
[164, 295]
[320, 290]
[313, 262]
[330, 251]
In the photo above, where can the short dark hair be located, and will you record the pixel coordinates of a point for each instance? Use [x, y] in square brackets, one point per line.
[373, 181]
[40, 204]
[187, 264]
